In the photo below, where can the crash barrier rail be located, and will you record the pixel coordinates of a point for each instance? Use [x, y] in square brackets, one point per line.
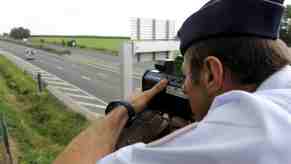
[5, 152]
[130, 49]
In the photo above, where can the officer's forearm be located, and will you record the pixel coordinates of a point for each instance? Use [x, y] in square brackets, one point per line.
[97, 141]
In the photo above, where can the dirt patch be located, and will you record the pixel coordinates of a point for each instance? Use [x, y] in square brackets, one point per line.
[4, 157]
[16, 155]
[2, 154]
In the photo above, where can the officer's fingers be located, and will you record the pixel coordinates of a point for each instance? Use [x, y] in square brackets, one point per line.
[157, 88]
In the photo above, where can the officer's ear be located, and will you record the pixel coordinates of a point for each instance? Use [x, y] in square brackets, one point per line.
[212, 75]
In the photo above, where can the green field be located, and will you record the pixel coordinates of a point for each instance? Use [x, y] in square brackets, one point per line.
[39, 124]
[98, 43]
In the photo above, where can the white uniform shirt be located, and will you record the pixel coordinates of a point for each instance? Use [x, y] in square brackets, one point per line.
[240, 128]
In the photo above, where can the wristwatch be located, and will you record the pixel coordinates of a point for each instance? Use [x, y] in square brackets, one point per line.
[114, 104]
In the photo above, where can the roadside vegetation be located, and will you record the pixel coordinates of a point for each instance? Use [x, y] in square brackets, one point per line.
[40, 46]
[39, 125]
[107, 44]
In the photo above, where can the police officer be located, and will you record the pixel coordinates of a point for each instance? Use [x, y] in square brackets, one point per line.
[239, 86]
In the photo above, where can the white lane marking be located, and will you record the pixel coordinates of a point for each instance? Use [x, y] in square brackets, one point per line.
[58, 83]
[81, 96]
[51, 78]
[86, 78]
[60, 68]
[114, 70]
[67, 89]
[50, 81]
[31, 69]
[98, 99]
[42, 73]
[102, 75]
[47, 75]
[22, 63]
[36, 70]
[92, 105]
[102, 68]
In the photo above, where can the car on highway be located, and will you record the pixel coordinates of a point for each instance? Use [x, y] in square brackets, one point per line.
[30, 54]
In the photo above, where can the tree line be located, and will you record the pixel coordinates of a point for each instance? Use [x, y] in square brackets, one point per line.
[19, 33]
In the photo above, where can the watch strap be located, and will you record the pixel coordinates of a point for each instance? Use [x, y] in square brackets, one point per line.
[113, 104]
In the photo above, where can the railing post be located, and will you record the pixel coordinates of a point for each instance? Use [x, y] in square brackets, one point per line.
[138, 31]
[39, 82]
[126, 55]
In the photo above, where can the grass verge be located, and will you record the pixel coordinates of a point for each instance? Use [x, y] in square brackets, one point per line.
[40, 46]
[105, 44]
[38, 123]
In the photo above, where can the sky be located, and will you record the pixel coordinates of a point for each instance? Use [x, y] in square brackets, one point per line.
[90, 17]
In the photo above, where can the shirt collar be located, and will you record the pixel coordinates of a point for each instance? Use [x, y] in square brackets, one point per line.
[279, 80]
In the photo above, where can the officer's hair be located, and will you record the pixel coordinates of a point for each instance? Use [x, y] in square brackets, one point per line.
[250, 60]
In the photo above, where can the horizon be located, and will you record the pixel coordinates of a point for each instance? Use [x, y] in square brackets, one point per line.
[86, 18]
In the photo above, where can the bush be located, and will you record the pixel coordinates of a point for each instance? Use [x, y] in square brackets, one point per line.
[82, 46]
[72, 43]
[63, 43]
[19, 33]
[39, 124]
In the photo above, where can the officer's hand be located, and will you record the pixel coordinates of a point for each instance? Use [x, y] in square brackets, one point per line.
[139, 99]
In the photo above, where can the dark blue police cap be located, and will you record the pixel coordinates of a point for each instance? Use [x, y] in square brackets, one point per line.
[232, 18]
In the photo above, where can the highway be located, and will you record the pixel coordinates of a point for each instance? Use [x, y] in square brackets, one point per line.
[97, 74]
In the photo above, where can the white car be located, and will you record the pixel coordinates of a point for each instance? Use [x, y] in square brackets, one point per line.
[30, 54]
